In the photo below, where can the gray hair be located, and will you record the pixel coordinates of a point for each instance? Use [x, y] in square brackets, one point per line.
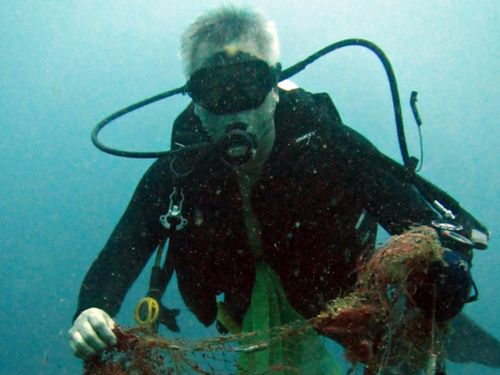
[229, 24]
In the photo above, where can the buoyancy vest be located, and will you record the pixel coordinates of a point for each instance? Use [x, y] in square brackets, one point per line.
[313, 229]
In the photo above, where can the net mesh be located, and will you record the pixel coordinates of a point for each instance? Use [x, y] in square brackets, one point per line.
[377, 324]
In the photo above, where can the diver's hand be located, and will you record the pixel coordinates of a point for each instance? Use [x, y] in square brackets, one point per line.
[91, 332]
[444, 289]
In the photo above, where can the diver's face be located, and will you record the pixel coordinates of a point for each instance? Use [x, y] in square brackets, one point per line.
[259, 121]
[233, 86]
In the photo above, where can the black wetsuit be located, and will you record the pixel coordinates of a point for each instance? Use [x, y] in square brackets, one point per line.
[319, 180]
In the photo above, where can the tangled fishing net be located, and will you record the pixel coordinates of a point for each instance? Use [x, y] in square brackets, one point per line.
[378, 324]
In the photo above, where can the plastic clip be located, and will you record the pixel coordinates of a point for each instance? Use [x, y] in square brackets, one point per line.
[147, 311]
[174, 215]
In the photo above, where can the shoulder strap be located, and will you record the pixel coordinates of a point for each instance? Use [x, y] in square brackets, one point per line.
[305, 109]
[187, 129]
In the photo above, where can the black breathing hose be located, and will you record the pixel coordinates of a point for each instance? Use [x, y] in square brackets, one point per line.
[124, 111]
[287, 73]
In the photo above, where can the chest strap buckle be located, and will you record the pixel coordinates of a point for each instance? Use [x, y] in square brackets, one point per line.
[173, 219]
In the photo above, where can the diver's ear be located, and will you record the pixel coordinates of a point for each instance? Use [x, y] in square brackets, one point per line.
[277, 72]
[275, 94]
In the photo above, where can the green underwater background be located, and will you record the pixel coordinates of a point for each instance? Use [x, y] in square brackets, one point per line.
[65, 65]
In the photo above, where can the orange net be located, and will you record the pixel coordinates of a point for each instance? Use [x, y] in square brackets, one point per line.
[378, 324]
[140, 351]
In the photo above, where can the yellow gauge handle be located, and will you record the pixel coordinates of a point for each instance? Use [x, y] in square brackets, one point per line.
[147, 311]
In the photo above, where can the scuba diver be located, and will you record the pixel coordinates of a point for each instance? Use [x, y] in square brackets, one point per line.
[283, 184]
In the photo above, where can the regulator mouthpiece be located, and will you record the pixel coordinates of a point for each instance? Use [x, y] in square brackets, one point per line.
[237, 146]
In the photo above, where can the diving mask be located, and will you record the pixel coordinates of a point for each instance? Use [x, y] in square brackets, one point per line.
[232, 88]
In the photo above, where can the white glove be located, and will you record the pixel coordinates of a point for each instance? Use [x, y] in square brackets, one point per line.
[91, 332]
